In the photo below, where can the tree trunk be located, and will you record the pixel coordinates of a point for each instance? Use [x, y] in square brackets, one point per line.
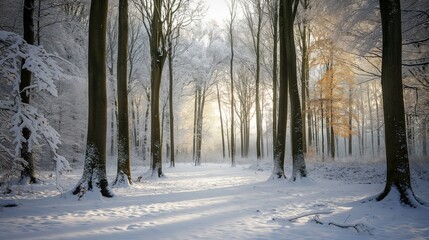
[194, 136]
[231, 70]
[358, 131]
[398, 171]
[298, 166]
[363, 139]
[221, 121]
[227, 140]
[257, 100]
[39, 13]
[94, 172]
[145, 126]
[275, 79]
[304, 81]
[201, 101]
[316, 132]
[157, 62]
[280, 144]
[27, 173]
[321, 123]
[170, 71]
[377, 111]
[371, 121]
[350, 122]
[197, 124]
[134, 135]
[123, 171]
[331, 111]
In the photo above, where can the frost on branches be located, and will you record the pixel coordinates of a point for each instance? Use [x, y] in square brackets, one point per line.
[19, 115]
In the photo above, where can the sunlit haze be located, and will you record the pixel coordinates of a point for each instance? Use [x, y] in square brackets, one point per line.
[217, 10]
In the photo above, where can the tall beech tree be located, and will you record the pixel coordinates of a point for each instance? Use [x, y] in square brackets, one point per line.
[398, 170]
[123, 171]
[94, 172]
[288, 77]
[158, 56]
[280, 143]
[273, 16]
[230, 28]
[151, 13]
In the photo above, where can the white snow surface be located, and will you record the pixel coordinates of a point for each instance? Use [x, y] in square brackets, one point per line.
[215, 201]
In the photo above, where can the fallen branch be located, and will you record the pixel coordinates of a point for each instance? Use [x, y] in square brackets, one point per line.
[359, 227]
[308, 214]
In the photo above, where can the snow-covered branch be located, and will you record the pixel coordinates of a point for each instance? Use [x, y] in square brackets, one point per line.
[45, 71]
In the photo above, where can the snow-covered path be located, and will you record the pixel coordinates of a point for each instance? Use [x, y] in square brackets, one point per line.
[215, 201]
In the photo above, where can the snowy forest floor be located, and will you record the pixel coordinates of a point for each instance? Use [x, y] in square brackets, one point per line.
[215, 201]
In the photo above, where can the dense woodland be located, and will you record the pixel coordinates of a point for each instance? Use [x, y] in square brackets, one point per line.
[89, 84]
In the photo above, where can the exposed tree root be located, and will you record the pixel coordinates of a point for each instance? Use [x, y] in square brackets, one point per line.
[84, 186]
[406, 196]
[122, 180]
[277, 176]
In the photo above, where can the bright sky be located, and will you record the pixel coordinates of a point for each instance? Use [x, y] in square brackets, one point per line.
[217, 10]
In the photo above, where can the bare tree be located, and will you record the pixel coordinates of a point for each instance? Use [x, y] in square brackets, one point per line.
[123, 171]
[273, 16]
[253, 12]
[280, 144]
[245, 93]
[230, 27]
[159, 19]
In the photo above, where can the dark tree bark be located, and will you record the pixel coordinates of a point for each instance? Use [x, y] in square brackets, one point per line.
[123, 171]
[245, 96]
[322, 114]
[145, 125]
[363, 135]
[371, 119]
[398, 171]
[231, 70]
[170, 102]
[298, 168]
[259, 150]
[158, 56]
[377, 112]
[280, 144]
[331, 108]
[27, 173]
[275, 17]
[350, 133]
[94, 172]
[194, 136]
[305, 75]
[201, 99]
[221, 121]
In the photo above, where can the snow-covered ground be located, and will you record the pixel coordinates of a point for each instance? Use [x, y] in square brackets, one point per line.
[215, 201]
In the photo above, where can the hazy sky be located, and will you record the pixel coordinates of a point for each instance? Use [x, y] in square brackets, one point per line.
[217, 10]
